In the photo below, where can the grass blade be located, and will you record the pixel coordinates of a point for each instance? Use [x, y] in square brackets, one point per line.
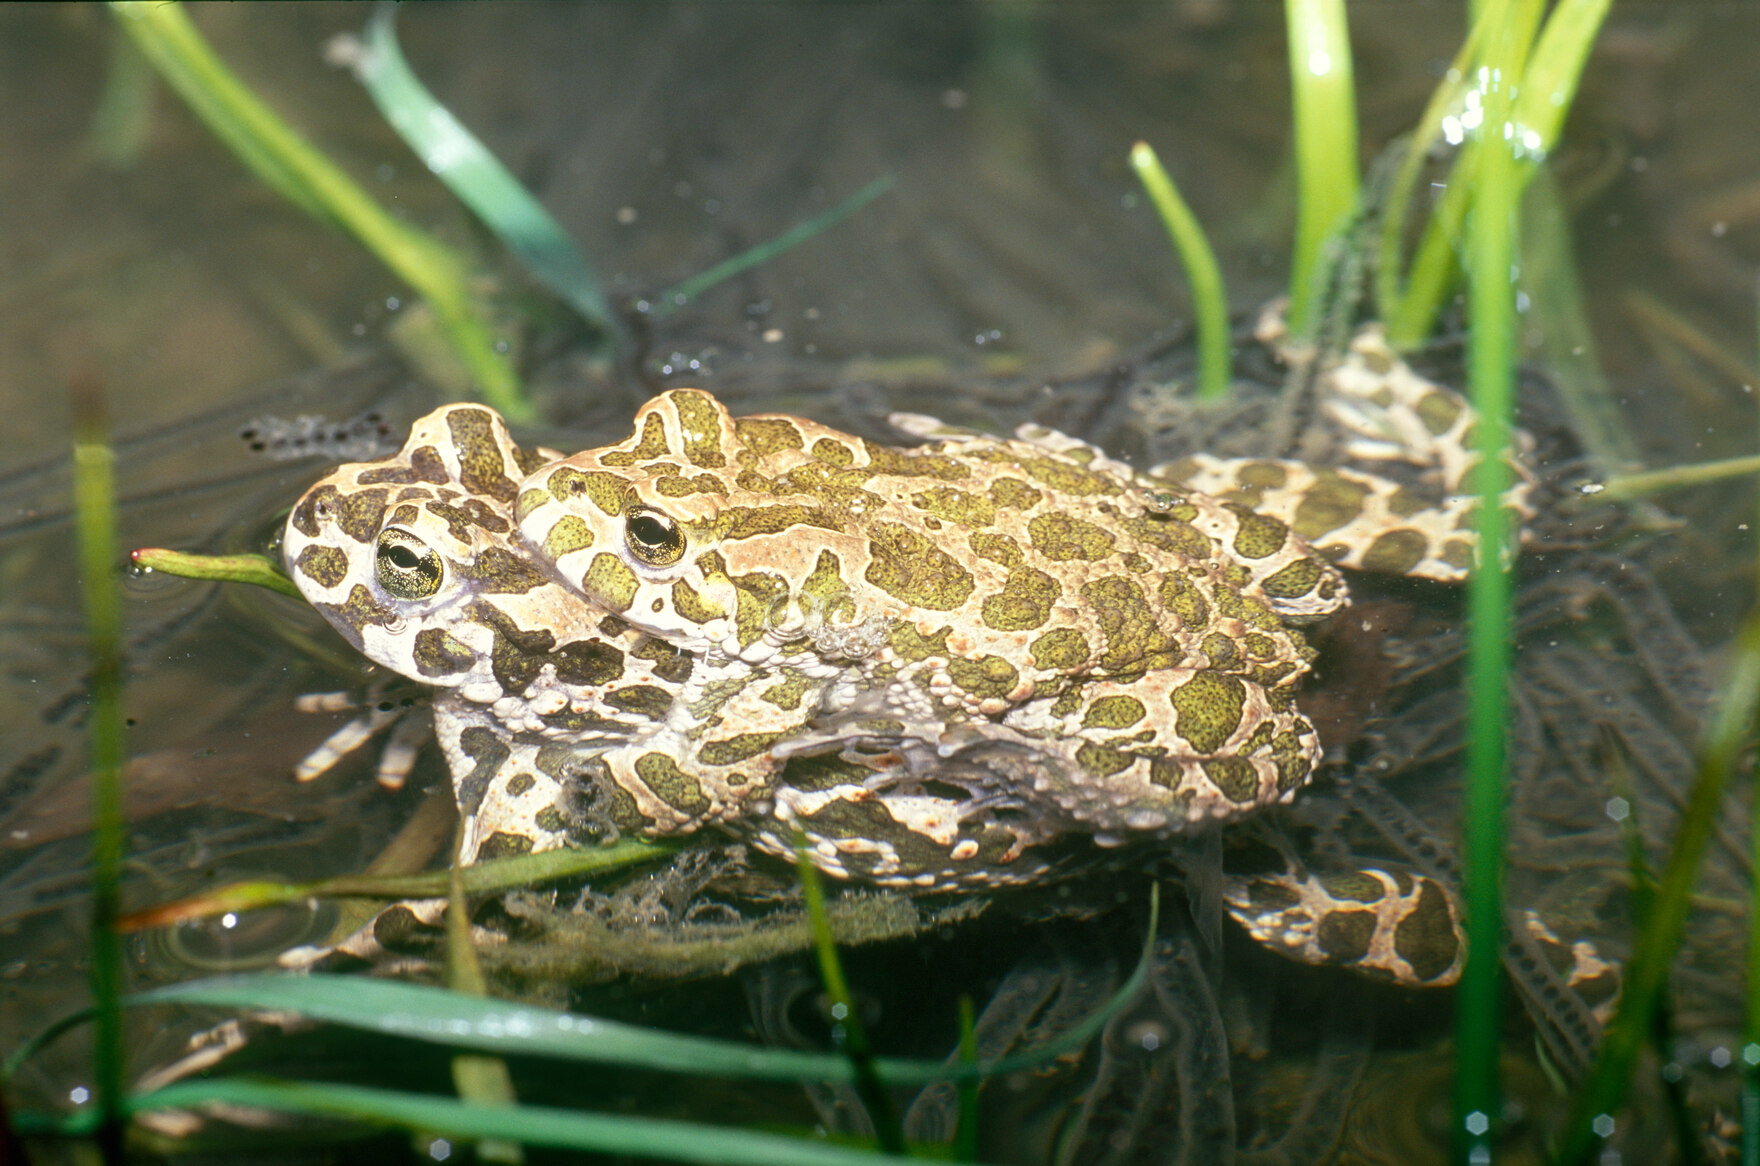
[455, 156]
[94, 500]
[259, 570]
[279, 156]
[679, 295]
[1491, 379]
[1325, 125]
[1209, 298]
[640, 1137]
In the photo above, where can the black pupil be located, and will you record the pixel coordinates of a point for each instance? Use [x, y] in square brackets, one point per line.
[403, 557]
[649, 531]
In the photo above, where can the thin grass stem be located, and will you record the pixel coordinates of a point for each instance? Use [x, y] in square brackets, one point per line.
[1209, 297]
[965, 1138]
[1750, 1103]
[677, 296]
[847, 1029]
[1659, 936]
[279, 156]
[94, 500]
[1491, 380]
[1324, 107]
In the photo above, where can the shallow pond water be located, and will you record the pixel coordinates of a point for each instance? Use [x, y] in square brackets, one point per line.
[1013, 272]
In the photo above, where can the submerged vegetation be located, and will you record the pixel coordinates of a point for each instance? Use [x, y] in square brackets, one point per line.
[1501, 106]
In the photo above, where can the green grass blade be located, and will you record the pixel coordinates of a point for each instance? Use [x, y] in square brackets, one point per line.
[455, 156]
[1646, 973]
[1325, 125]
[258, 570]
[94, 501]
[1209, 297]
[279, 156]
[1624, 487]
[847, 1027]
[1491, 355]
[677, 296]
[1750, 1102]
[640, 1137]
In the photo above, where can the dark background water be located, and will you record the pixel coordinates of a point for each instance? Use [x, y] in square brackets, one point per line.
[1014, 248]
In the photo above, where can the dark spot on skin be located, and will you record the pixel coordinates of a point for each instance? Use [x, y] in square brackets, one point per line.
[471, 512]
[503, 845]
[670, 784]
[587, 662]
[482, 468]
[489, 752]
[732, 750]
[325, 566]
[424, 466]
[520, 783]
[356, 613]
[438, 653]
[670, 662]
[1427, 938]
[1345, 935]
[644, 700]
[501, 572]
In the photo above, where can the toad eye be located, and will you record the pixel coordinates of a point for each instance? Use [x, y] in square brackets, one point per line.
[652, 537]
[408, 567]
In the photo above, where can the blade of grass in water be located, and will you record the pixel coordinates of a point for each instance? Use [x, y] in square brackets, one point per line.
[1325, 125]
[1209, 298]
[847, 1028]
[1751, 1015]
[476, 176]
[679, 295]
[1646, 973]
[1491, 375]
[94, 493]
[478, 1078]
[279, 156]
[258, 570]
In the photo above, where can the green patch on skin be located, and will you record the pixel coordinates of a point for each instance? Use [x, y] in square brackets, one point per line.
[1101, 761]
[529, 501]
[1438, 412]
[606, 491]
[1328, 504]
[488, 753]
[910, 568]
[325, 566]
[740, 522]
[520, 783]
[833, 453]
[1257, 536]
[550, 820]
[732, 750]
[700, 419]
[717, 693]
[829, 591]
[356, 513]
[1135, 563]
[1182, 597]
[692, 606]
[1067, 704]
[1235, 777]
[357, 612]
[1396, 552]
[871, 822]
[437, 653]
[1133, 638]
[653, 444]
[1269, 895]
[823, 772]
[587, 662]
[1355, 885]
[1060, 650]
[571, 533]
[502, 845]
[1428, 938]
[1259, 647]
[424, 465]
[609, 583]
[1064, 478]
[1209, 708]
[886, 460]
[998, 548]
[1221, 650]
[1014, 494]
[405, 515]
[670, 784]
[1457, 553]
[644, 700]
[787, 694]
[1406, 503]
[1249, 610]
[985, 677]
[482, 468]
[1263, 475]
[499, 571]
[1292, 761]
[756, 596]
[1294, 580]
[1064, 539]
[912, 647]
[684, 485]
[955, 506]
[1344, 936]
[764, 436]
[1169, 533]
[1114, 712]
[1024, 603]
[670, 662]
